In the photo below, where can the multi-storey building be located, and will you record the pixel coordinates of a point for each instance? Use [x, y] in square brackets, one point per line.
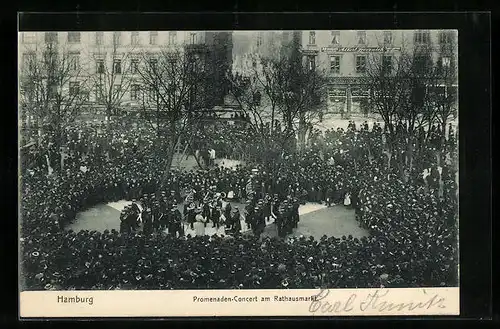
[344, 55]
[249, 46]
[119, 52]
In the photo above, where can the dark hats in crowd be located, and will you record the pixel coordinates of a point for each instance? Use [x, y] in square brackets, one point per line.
[399, 251]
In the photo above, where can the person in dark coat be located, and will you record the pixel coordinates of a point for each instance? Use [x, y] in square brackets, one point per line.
[280, 222]
[164, 217]
[259, 223]
[206, 211]
[266, 208]
[295, 212]
[175, 222]
[156, 214]
[216, 213]
[227, 211]
[236, 222]
[190, 216]
[148, 221]
[249, 211]
[124, 224]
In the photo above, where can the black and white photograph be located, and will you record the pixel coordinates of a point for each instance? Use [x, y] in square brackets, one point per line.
[238, 160]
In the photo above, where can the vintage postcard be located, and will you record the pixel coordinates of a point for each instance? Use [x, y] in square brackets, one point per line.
[238, 173]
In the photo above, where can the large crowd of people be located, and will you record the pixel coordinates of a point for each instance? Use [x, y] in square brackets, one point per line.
[411, 219]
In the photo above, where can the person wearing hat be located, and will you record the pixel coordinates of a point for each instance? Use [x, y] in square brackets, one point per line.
[227, 211]
[206, 210]
[124, 224]
[295, 212]
[266, 208]
[173, 196]
[134, 208]
[236, 222]
[147, 220]
[199, 224]
[258, 221]
[190, 216]
[155, 214]
[175, 221]
[131, 219]
[249, 210]
[216, 215]
[279, 217]
[289, 221]
[164, 219]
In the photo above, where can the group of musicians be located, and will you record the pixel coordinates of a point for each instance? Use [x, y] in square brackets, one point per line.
[162, 213]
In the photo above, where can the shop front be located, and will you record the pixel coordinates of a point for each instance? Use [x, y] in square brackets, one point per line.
[347, 99]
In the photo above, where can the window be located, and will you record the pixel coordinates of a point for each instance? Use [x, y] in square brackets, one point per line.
[445, 62]
[134, 91]
[74, 61]
[74, 87]
[387, 64]
[387, 37]
[100, 66]
[54, 90]
[99, 94]
[195, 62]
[311, 62]
[335, 64]
[259, 39]
[335, 37]
[444, 38]
[172, 38]
[153, 37]
[420, 63]
[99, 37]
[117, 88]
[50, 57]
[29, 37]
[50, 37]
[134, 65]
[312, 38]
[360, 64]
[153, 61]
[152, 94]
[134, 38]
[74, 37]
[117, 66]
[28, 59]
[422, 37]
[117, 38]
[192, 38]
[361, 37]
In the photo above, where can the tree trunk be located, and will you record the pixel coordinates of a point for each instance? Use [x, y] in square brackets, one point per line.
[443, 139]
[302, 131]
[410, 151]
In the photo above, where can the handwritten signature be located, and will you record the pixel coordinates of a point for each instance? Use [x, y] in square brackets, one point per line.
[377, 301]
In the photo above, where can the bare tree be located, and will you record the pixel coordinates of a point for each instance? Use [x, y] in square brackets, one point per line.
[279, 86]
[53, 90]
[112, 74]
[301, 91]
[172, 101]
[400, 94]
[444, 86]
[246, 93]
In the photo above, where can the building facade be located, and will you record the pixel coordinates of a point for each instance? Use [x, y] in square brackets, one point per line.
[119, 52]
[344, 56]
[249, 46]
